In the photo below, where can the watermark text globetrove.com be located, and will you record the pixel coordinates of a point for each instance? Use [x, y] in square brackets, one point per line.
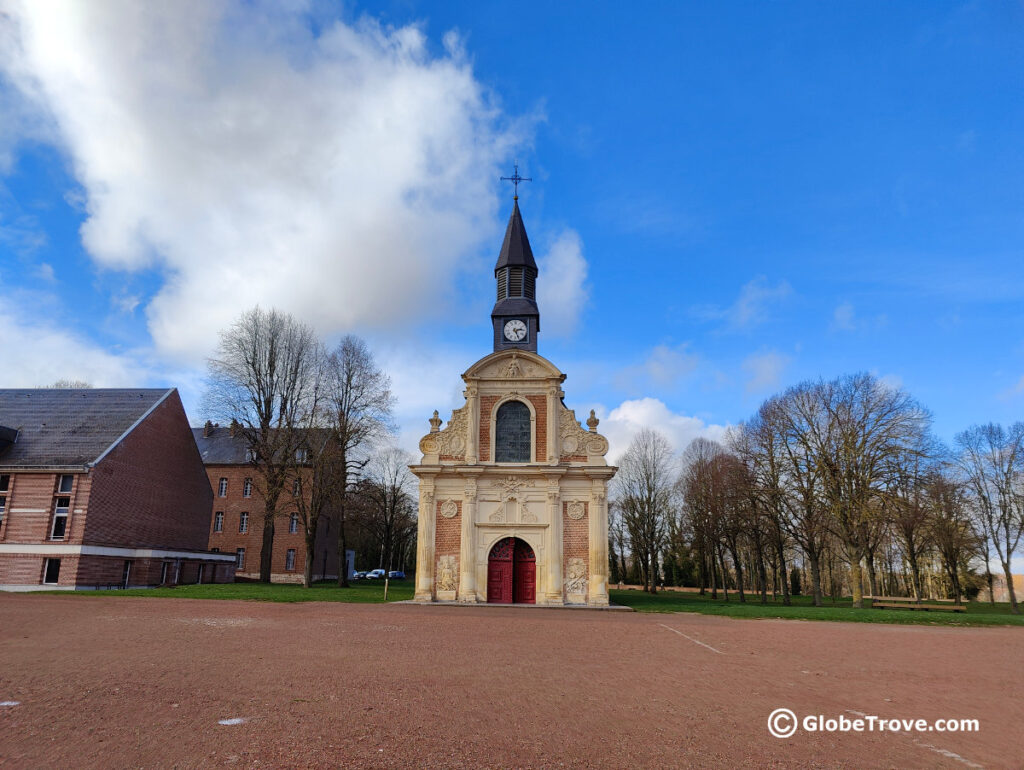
[782, 723]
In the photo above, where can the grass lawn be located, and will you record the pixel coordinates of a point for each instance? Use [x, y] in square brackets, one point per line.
[978, 613]
[358, 591]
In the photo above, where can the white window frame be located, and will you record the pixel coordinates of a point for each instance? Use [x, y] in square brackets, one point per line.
[293, 524]
[218, 521]
[222, 487]
[46, 568]
[243, 523]
[247, 487]
[58, 514]
[239, 558]
[289, 560]
[60, 484]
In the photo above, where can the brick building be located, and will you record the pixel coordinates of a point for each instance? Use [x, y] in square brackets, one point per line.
[235, 520]
[102, 488]
[513, 492]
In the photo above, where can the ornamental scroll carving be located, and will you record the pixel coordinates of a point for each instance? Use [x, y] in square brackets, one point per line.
[447, 572]
[576, 576]
[575, 510]
[575, 440]
[451, 441]
[449, 508]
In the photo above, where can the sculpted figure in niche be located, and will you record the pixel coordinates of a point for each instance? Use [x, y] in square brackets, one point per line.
[446, 574]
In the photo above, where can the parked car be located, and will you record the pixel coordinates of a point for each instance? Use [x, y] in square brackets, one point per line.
[396, 574]
[358, 575]
[376, 574]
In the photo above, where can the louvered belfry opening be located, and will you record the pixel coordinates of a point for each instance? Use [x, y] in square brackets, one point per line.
[514, 282]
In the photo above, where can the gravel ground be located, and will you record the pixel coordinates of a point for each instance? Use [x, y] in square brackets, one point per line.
[123, 682]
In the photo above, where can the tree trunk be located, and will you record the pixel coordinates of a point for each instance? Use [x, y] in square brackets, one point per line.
[739, 574]
[1009, 587]
[872, 578]
[267, 548]
[783, 572]
[725, 575]
[342, 546]
[815, 561]
[856, 576]
[307, 571]
[915, 574]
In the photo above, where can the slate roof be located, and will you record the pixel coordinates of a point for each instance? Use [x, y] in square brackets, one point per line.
[515, 249]
[72, 427]
[220, 447]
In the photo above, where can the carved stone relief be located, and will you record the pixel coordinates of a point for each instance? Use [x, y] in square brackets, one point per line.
[575, 510]
[576, 577]
[449, 508]
[447, 574]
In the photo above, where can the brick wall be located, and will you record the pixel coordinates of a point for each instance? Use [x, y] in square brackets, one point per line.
[540, 404]
[448, 533]
[575, 537]
[152, 489]
[234, 503]
[486, 407]
[31, 500]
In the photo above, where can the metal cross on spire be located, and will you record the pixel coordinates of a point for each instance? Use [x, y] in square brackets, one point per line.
[515, 179]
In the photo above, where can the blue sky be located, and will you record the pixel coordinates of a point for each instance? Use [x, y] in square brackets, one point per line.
[727, 198]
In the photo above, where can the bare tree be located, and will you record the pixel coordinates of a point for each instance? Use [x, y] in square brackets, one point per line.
[868, 424]
[388, 507]
[992, 459]
[949, 527]
[360, 400]
[264, 377]
[315, 479]
[67, 384]
[643, 492]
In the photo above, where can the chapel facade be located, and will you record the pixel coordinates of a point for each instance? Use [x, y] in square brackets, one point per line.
[513, 501]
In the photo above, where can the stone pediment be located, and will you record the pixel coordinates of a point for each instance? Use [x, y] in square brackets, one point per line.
[512, 365]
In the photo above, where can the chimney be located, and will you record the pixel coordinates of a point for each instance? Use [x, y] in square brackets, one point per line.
[207, 429]
[234, 427]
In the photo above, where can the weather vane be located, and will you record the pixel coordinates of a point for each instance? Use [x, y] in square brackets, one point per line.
[515, 179]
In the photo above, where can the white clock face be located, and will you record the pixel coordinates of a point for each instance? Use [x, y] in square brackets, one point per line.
[515, 331]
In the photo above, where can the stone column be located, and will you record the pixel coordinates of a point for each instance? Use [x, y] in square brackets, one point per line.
[425, 545]
[554, 594]
[473, 439]
[554, 440]
[467, 550]
[598, 537]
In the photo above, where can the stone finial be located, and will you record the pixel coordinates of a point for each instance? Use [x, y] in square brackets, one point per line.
[435, 423]
[592, 422]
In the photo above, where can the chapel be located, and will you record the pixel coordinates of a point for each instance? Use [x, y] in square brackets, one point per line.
[513, 504]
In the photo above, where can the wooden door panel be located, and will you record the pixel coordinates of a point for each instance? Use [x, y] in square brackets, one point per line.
[499, 582]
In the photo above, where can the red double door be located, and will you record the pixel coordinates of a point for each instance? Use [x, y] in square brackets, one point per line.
[511, 573]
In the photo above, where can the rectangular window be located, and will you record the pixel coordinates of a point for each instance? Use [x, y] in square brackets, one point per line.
[60, 518]
[64, 487]
[296, 488]
[293, 524]
[222, 488]
[289, 559]
[301, 455]
[164, 570]
[51, 571]
[5, 482]
[247, 488]
[250, 455]
[240, 558]
[243, 523]
[218, 521]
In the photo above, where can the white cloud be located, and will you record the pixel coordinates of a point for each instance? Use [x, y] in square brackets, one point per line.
[343, 176]
[843, 317]
[664, 367]
[764, 371]
[37, 353]
[623, 422]
[562, 290]
[752, 307]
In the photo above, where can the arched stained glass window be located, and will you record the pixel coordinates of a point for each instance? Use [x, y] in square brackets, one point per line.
[512, 433]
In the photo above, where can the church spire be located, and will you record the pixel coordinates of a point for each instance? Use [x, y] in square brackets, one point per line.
[515, 317]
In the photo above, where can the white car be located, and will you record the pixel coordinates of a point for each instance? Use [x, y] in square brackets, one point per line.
[374, 574]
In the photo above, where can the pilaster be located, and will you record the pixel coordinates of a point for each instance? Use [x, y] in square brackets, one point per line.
[467, 549]
[555, 593]
[425, 543]
[598, 537]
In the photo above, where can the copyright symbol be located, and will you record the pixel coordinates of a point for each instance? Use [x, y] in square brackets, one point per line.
[782, 723]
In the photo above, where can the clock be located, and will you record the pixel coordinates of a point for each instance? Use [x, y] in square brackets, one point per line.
[515, 331]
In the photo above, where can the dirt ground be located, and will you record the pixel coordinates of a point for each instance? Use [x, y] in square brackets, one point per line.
[122, 682]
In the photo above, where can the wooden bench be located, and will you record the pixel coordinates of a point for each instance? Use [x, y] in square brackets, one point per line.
[911, 605]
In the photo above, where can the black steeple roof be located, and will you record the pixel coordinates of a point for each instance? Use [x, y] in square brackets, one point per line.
[515, 250]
